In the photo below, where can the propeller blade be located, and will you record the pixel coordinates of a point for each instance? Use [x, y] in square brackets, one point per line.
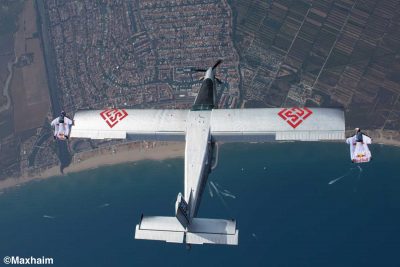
[217, 63]
[202, 78]
[199, 70]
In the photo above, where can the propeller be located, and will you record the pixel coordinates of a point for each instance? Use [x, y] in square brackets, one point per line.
[198, 70]
[217, 63]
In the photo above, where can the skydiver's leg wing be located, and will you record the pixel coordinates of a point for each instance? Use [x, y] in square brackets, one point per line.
[367, 151]
[56, 130]
[350, 141]
[352, 151]
[66, 130]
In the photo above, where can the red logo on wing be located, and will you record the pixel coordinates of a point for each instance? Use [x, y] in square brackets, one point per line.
[294, 116]
[113, 116]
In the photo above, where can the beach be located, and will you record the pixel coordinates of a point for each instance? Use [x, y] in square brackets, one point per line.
[386, 137]
[105, 157]
[137, 151]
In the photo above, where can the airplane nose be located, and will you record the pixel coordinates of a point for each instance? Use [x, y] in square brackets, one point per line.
[209, 74]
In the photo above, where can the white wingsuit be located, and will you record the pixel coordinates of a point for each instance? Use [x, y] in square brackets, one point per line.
[359, 151]
[62, 126]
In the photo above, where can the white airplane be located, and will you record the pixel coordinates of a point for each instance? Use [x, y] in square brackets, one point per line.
[201, 127]
[359, 151]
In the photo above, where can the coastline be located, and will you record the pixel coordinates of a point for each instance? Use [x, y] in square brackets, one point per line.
[134, 152]
[384, 137]
[104, 157]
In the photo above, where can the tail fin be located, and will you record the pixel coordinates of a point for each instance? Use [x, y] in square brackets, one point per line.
[182, 211]
[200, 231]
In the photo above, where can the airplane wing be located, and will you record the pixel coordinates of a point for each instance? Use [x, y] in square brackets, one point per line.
[137, 124]
[275, 124]
[227, 125]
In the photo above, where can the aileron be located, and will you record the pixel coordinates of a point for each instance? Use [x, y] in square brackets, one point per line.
[269, 124]
[159, 125]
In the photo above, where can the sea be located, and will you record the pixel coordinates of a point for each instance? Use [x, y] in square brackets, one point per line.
[296, 204]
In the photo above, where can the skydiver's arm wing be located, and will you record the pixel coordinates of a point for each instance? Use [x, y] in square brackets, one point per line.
[367, 139]
[275, 124]
[350, 140]
[55, 125]
[135, 124]
[68, 121]
[53, 122]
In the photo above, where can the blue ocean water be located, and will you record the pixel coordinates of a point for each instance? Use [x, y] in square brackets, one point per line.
[287, 212]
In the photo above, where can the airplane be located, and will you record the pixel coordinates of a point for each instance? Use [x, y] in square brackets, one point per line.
[359, 151]
[201, 127]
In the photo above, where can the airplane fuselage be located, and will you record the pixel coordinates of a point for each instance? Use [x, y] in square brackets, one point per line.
[198, 156]
[199, 144]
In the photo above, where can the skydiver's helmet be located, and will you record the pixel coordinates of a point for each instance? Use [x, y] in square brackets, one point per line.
[61, 118]
[359, 136]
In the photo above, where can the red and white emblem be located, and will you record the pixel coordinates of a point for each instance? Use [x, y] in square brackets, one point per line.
[294, 116]
[113, 116]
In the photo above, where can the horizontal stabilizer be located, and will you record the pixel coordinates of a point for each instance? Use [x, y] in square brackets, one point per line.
[200, 231]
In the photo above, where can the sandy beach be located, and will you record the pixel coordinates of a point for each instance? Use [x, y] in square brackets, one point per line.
[105, 157]
[386, 137]
[133, 152]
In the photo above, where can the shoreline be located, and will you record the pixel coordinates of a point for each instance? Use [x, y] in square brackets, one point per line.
[134, 152]
[100, 158]
[387, 137]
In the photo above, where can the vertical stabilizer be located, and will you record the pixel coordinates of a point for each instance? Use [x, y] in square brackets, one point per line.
[182, 211]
